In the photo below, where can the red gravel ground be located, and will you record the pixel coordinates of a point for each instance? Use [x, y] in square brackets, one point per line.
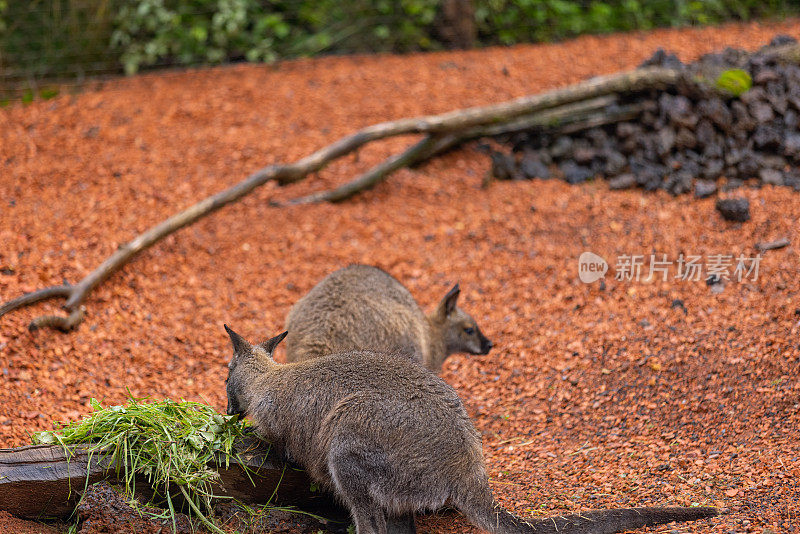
[592, 397]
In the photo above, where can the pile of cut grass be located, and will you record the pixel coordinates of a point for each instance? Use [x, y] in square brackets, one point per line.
[171, 443]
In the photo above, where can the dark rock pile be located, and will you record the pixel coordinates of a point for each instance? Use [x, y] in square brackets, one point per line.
[683, 140]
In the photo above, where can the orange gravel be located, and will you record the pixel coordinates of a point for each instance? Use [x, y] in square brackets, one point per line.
[591, 398]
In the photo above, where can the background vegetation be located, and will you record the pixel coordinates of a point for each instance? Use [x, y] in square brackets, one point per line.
[74, 39]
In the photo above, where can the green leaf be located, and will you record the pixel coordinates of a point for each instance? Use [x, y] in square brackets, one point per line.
[734, 81]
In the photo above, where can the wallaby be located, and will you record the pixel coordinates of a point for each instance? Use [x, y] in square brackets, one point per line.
[390, 439]
[363, 307]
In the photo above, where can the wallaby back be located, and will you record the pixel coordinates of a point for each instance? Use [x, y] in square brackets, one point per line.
[390, 439]
[361, 307]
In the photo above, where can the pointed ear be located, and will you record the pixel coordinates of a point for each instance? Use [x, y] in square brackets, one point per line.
[240, 344]
[270, 344]
[448, 303]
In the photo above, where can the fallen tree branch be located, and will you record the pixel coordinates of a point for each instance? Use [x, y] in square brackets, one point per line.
[442, 132]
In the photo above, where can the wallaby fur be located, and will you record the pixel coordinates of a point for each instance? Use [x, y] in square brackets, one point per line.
[390, 439]
[361, 307]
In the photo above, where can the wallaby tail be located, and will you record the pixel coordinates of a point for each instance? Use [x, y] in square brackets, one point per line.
[595, 522]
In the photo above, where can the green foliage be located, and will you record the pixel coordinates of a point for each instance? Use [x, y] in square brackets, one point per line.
[514, 21]
[170, 443]
[148, 32]
[734, 81]
[52, 39]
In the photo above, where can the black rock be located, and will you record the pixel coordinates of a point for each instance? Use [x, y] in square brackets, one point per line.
[776, 95]
[773, 162]
[771, 176]
[704, 188]
[717, 112]
[665, 140]
[791, 146]
[765, 75]
[714, 150]
[685, 138]
[623, 181]
[583, 153]
[782, 39]
[767, 136]
[648, 175]
[504, 167]
[562, 147]
[677, 109]
[532, 167]
[574, 173]
[615, 162]
[792, 179]
[597, 136]
[705, 133]
[762, 112]
[734, 209]
[713, 169]
[741, 114]
[661, 58]
[628, 129]
[732, 184]
[678, 183]
[790, 120]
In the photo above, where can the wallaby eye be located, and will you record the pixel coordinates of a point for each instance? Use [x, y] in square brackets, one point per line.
[469, 330]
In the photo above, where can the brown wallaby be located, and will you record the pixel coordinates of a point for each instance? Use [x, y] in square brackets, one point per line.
[363, 307]
[390, 439]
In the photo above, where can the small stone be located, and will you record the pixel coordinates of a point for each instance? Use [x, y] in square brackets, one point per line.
[762, 112]
[574, 173]
[717, 112]
[678, 183]
[734, 209]
[782, 39]
[713, 169]
[504, 167]
[623, 181]
[532, 167]
[767, 136]
[685, 138]
[665, 140]
[561, 147]
[771, 176]
[704, 188]
[791, 146]
[615, 162]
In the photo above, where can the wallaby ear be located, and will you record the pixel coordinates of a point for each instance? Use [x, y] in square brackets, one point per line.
[448, 304]
[240, 344]
[270, 344]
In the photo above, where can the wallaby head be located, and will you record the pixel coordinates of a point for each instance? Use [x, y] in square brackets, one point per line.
[247, 363]
[459, 329]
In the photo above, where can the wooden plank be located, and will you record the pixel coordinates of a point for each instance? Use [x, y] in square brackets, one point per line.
[44, 481]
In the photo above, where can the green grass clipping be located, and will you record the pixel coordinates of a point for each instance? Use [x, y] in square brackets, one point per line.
[171, 443]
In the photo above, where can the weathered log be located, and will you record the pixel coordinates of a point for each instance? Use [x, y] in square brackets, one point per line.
[39, 481]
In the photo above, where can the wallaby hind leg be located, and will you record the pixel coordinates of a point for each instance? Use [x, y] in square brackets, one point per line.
[403, 524]
[351, 474]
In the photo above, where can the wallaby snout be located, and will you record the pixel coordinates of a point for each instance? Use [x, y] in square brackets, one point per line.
[486, 343]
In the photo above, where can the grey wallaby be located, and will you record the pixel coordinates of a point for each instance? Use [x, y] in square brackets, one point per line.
[390, 439]
[363, 307]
